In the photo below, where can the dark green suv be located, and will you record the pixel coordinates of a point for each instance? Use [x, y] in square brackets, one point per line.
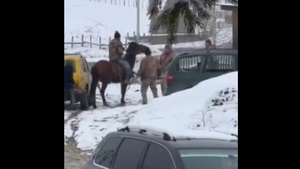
[140, 148]
[190, 68]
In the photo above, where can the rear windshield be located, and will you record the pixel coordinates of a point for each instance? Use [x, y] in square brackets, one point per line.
[209, 158]
[71, 62]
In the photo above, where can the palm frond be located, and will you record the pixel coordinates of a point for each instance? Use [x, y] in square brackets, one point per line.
[175, 10]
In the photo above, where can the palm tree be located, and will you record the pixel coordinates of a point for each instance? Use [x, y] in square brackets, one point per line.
[193, 12]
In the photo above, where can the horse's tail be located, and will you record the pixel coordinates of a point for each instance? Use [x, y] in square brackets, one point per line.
[95, 80]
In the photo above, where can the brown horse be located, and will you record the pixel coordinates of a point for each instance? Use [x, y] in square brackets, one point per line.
[109, 72]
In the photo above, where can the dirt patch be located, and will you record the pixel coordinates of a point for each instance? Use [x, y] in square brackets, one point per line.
[74, 157]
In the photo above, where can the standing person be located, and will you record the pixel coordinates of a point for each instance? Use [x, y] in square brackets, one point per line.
[165, 61]
[209, 45]
[116, 52]
[69, 82]
[149, 73]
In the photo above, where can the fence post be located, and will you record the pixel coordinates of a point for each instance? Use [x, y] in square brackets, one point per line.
[72, 40]
[91, 41]
[100, 42]
[144, 34]
[82, 40]
[109, 39]
[111, 1]
[126, 42]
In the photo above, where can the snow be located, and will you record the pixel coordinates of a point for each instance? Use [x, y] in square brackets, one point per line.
[209, 106]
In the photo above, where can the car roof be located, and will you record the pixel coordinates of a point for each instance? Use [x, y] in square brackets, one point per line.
[211, 51]
[182, 142]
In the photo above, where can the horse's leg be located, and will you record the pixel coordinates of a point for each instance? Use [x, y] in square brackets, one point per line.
[102, 91]
[123, 91]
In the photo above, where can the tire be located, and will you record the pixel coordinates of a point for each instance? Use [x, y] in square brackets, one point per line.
[84, 105]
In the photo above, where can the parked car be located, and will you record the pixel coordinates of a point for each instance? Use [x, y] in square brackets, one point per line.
[190, 68]
[82, 79]
[140, 148]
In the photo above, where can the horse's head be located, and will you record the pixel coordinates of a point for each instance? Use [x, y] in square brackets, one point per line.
[135, 49]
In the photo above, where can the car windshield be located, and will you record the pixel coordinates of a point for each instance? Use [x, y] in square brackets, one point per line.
[209, 158]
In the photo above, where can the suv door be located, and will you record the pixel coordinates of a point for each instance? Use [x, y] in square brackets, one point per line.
[219, 64]
[188, 72]
[157, 157]
[130, 154]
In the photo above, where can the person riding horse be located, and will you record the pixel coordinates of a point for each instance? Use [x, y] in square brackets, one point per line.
[116, 52]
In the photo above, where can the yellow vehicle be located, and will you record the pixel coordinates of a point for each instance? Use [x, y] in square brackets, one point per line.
[82, 79]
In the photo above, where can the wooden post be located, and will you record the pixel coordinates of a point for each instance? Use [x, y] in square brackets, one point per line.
[109, 39]
[82, 40]
[126, 42]
[124, 2]
[111, 1]
[144, 34]
[91, 45]
[100, 42]
[127, 34]
[235, 28]
[72, 40]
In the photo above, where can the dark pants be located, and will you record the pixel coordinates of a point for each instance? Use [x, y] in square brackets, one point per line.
[125, 65]
[70, 94]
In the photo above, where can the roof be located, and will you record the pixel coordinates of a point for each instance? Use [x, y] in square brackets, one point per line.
[181, 143]
[228, 6]
[203, 139]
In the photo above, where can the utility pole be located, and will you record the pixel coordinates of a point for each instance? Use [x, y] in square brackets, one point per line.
[137, 20]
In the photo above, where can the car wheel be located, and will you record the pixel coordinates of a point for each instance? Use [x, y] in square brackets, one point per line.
[84, 101]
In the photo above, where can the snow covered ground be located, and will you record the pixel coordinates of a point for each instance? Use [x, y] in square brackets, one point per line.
[210, 105]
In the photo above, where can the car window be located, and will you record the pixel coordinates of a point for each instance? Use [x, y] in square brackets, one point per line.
[129, 154]
[107, 154]
[209, 158]
[219, 63]
[190, 64]
[157, 157]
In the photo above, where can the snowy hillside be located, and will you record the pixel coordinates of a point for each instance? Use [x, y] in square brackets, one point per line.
[212, 104]
[101, 19]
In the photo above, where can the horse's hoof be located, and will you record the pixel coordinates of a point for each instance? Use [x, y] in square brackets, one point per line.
[122, 102]
[105, 104]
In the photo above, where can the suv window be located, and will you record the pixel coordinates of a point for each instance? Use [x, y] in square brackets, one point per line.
[108, 152]
[83, 65]
[129, 154]
[221, 63]
[157, 157]
[193, 63]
